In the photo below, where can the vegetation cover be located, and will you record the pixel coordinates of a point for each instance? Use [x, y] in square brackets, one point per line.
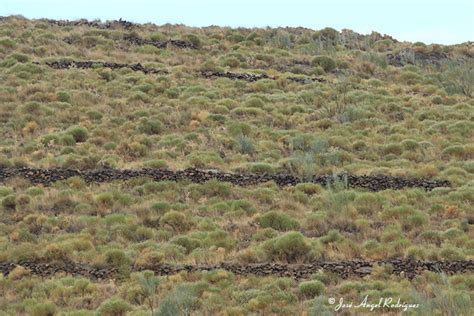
[117, 95]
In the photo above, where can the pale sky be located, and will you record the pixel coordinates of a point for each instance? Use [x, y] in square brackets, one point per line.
[428, 21]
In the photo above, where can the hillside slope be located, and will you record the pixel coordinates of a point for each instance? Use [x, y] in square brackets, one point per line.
[341, 165]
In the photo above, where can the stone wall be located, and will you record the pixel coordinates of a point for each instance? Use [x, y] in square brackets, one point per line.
[372, 183]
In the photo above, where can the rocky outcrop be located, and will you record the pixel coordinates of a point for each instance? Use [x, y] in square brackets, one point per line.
[373, 183]
[345, 269]
[66, 64]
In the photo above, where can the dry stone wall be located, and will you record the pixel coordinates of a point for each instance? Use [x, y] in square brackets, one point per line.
[344, 269]
[372, 183]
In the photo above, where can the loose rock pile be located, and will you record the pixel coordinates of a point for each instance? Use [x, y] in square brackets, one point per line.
[66, 64]
[96, 23]
[373, 183]
[135, 40]
[345, 269]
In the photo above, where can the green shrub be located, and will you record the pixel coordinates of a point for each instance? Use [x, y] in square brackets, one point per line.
[188, 243]
[457, 78]
[157, 163]
[7, 43]
[161, 207]
[368, 203]
[239, 128]
[42, 309]
[150, 126]
[244, 145]
[216, 188]
[278, 221]
[63, 96]
[95, 115]
[79, 133]
[176, 220]
[196, 41]
[67, 140]
[391, 233]
[326, 34]
[308, 188]
[311, 289]
[410, 144]
[261, 168]
[431, 236]
[416, 253]
[393, 148]
[417, 220]
[410, 77]
[181, 301]
[117, 258]
[331, 237]
[33, 191]
[110, 146]
[114, 307]
[105, 199]
[31, 108]
[265, 234]
[255, 103]
[149, 283]
[290, 247]
[9, 202]
[202, 159]
[20, 57]
[451, 253]
[454, 150]
[4, 191]
[231, 62]
[327, 63]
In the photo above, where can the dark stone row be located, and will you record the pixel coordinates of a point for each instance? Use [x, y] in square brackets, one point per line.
[83, 22]
[45, 269]
[306, 80]
[373, 183]
[135, 40]
[410, 56]
[344, 269]
[253, 77]
[66, 64]
[234, 76]
[95, 23]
